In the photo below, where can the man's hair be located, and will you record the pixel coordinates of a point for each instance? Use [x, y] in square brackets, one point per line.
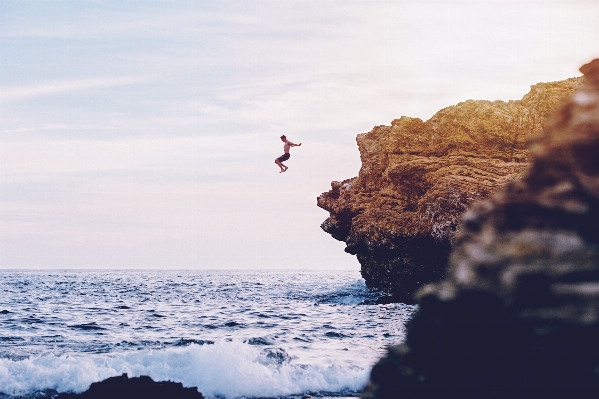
[283, 137]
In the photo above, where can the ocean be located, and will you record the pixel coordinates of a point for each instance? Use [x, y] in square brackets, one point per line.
[232, 334]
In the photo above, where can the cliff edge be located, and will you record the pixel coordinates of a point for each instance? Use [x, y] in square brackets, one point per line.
[518, 315]
[399, 216]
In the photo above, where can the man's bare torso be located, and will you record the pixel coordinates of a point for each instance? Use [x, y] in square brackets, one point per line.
[287, 146]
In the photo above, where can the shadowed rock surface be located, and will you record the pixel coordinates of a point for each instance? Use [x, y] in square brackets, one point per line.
[518, 314]
[400, 214]
[143, 387]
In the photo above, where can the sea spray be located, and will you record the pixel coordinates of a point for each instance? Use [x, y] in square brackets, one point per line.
[229, 333]
[225, 369]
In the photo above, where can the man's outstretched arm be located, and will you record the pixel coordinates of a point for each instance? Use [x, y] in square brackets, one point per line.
[293, 144]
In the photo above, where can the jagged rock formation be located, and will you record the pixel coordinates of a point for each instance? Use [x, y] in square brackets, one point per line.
[400, 215]
[123, 387]
[518, 315]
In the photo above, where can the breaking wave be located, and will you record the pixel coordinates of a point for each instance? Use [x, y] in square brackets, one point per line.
[224, 369]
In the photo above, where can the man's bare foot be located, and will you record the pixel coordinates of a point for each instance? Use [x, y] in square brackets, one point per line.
[284, 170]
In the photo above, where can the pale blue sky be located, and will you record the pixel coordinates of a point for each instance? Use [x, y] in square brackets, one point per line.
[142, 134]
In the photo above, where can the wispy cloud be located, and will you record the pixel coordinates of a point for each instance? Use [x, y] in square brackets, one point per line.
[161, 136]
[50, 88]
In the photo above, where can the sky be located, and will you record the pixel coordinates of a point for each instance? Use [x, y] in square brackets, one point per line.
[142, 134]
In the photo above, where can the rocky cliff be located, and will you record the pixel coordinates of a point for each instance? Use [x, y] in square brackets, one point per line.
[518, 314]
[400, 214]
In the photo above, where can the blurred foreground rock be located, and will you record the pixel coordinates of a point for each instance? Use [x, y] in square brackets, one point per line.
[400, 215]
[518, 314]
[123, 387]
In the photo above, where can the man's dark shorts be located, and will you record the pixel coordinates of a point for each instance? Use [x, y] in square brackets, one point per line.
[283, 157]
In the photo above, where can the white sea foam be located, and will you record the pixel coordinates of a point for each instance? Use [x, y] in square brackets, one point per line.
[65, 330]
[225, 369]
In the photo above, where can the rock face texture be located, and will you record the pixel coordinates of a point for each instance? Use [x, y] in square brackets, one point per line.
[400, 215]
[518, 314]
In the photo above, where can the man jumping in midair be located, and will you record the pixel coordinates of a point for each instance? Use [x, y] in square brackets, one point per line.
[288, 144]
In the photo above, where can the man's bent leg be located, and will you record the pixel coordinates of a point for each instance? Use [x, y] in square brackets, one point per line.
[283, 167]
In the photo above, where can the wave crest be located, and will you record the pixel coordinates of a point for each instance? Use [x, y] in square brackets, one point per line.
[225, 369]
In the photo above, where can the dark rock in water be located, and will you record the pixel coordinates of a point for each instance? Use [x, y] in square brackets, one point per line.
[518, 314]
[142, 387]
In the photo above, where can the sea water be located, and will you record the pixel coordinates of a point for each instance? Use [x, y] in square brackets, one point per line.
[232, 334]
